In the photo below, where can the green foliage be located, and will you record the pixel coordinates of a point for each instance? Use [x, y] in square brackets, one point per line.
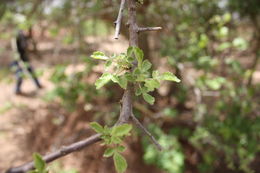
[226, 109]
[171, 159]
[143, 80]
[120, 162]
[113, 138]
[70, 88]
[57, 167]
[207, 37]
[39, 164]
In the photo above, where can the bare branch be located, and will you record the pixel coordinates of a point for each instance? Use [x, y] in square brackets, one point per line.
[63, 151]
[146, 132]
[143, 29]
[119, 19]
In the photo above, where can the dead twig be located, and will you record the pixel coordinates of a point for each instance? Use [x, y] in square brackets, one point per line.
[119, 19]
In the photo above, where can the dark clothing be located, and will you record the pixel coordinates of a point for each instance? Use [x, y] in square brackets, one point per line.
[21, 44]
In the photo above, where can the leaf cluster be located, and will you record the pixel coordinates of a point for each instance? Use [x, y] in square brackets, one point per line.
[124, 72]
[113, 138]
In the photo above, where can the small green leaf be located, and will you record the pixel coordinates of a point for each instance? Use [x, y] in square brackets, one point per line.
[216, 83]
[108, 63]
[155, 74]
[120, 163]
[137, 72]
[109, 152]
[130, 59]
[152, 84]
[146, 65]
[130, 51]
[107, 140]
[120, 148]
[129, 77]
[121, 130]
[169, 76]
[148, 98]
[104, 79]
[39, 163]
[138, 91]
[115, 78]
[139, 55]
[97, 127]
[99, 55]
[122, 82]
[116, 140]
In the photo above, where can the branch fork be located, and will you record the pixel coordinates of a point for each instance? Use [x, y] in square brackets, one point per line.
[126, 111]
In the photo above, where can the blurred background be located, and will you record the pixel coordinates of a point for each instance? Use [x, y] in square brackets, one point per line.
[208, 123]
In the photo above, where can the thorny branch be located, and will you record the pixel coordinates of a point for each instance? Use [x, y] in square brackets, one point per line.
[63, 151]
[142, 29]
[127, 107]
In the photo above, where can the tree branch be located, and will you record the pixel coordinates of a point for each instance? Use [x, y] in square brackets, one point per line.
[143, 29]
[126, 110]
[146, 132]
[119, 19]
[63, 151]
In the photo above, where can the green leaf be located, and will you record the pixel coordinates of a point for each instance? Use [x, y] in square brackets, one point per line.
[130, 51]
[138, 91]
[146, 65]
[139, 55]
[122, 82]
[99, 55]
[120, 163]
[148, 98]
[155, 74]
[97, 127]
[137, 72]
[109, 152]
[104, 79]
[224, 46]
[120, 148]
[116, 140]
[121, 130]
[169, 76]
[108, 63]
[129, 77]
[39, 163]
[115, 78]
[130, 59]
[216, 83]
[151, 84]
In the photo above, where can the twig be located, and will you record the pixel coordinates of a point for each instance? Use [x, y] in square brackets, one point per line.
[142, 29]
[146, 132]
[119, 19]
[63, 151]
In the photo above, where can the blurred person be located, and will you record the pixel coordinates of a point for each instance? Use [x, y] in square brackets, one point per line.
[21, 62]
